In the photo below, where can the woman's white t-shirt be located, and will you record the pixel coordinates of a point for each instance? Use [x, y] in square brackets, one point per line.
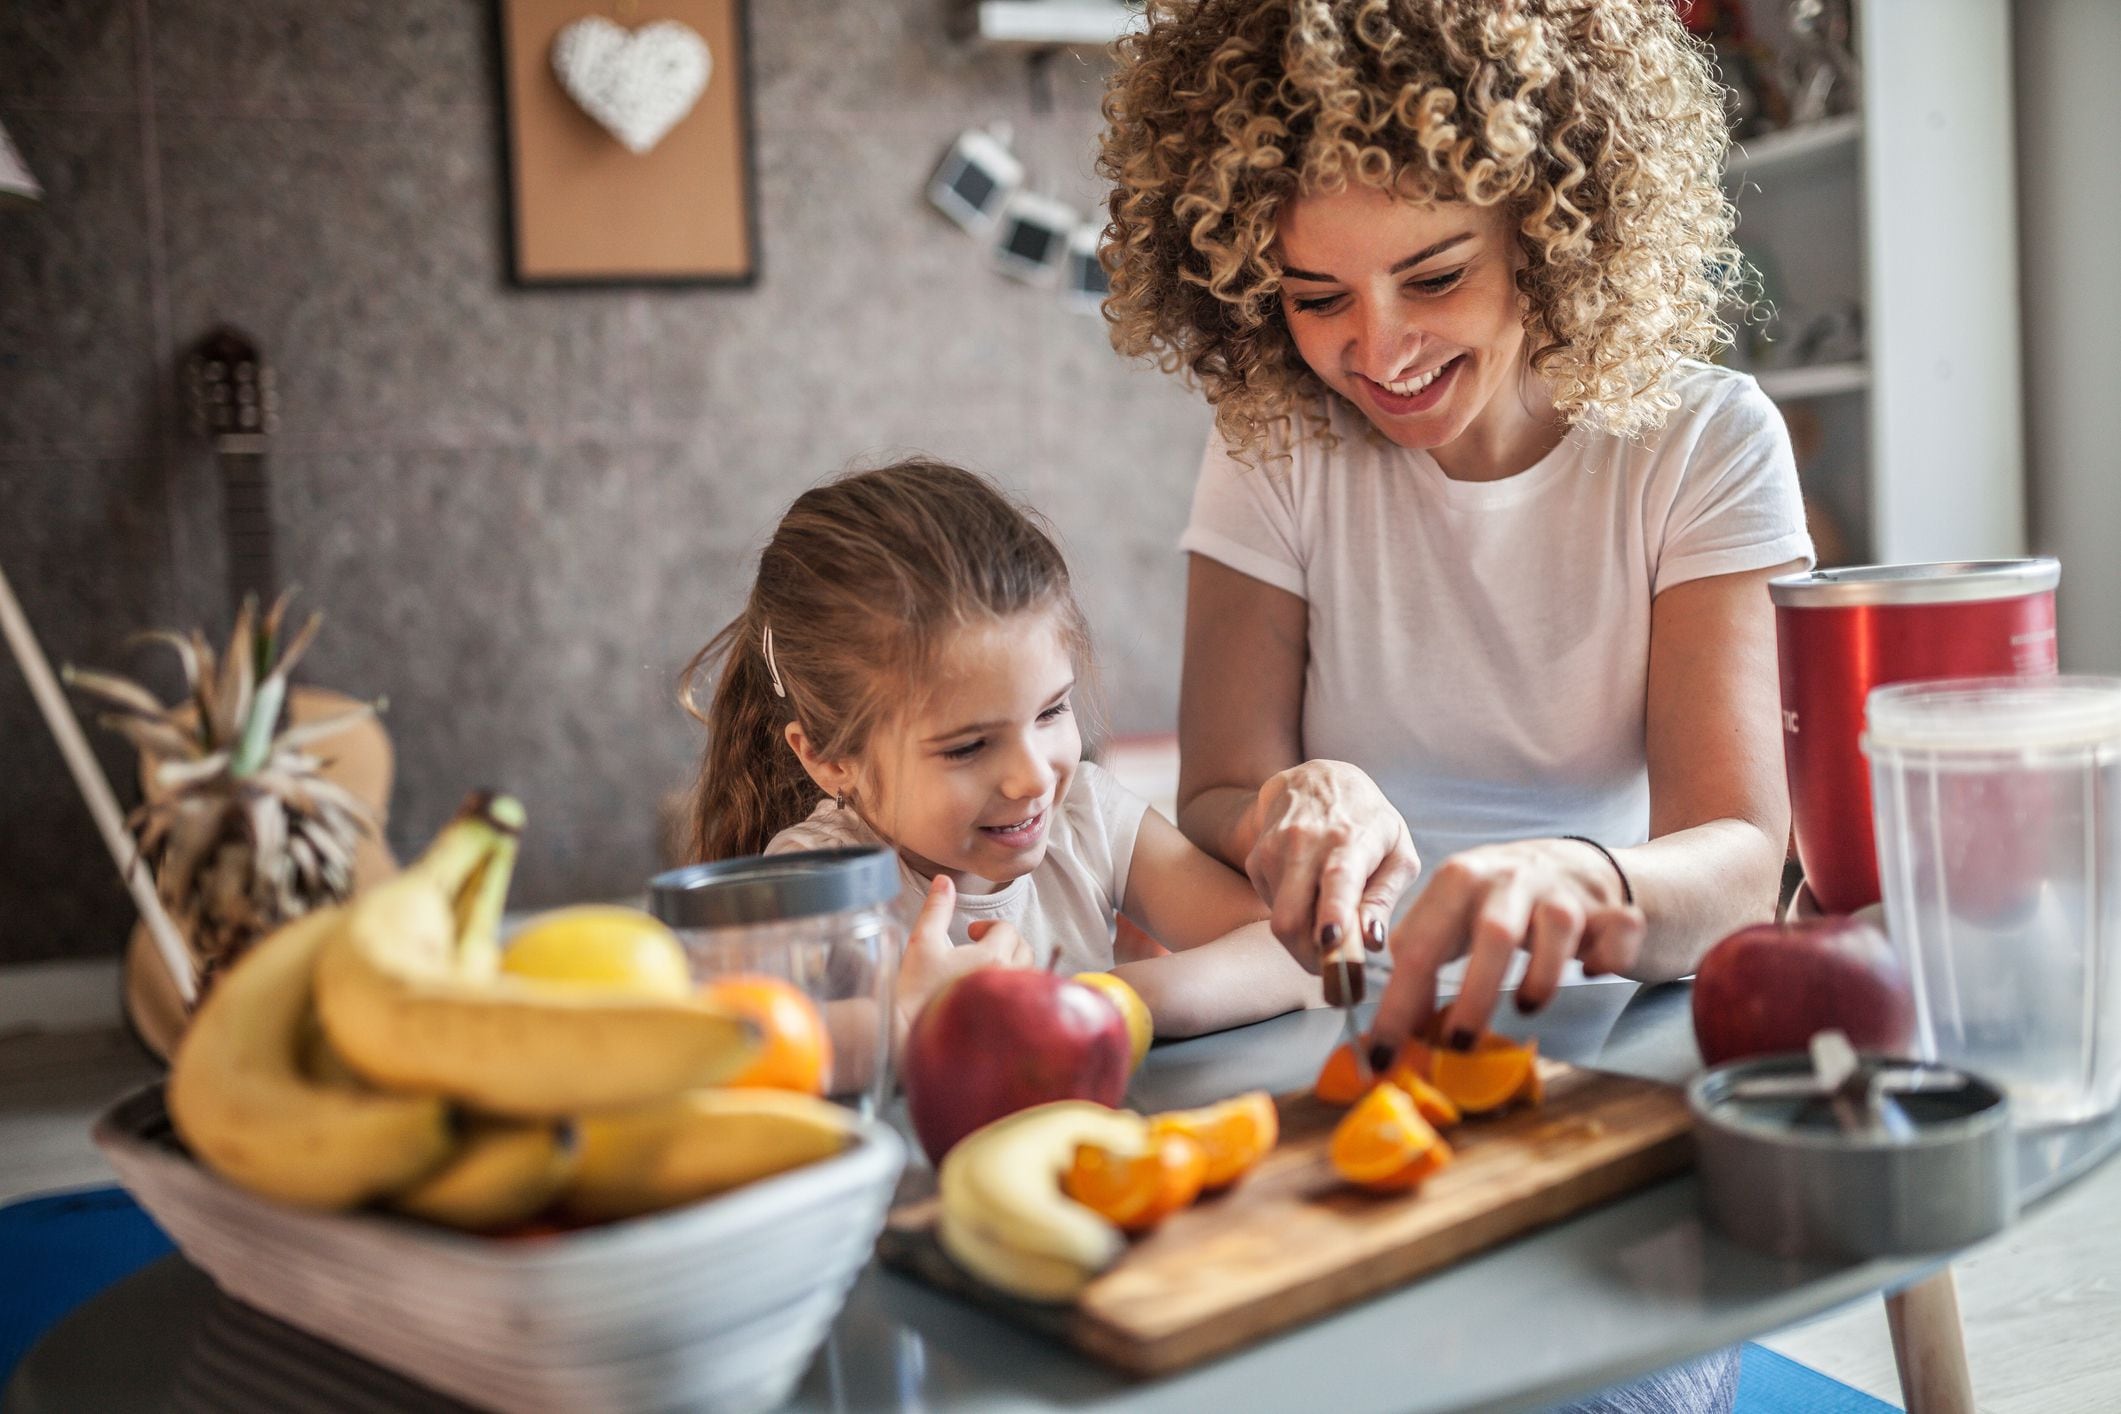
[1482, 649]
[1068, 905]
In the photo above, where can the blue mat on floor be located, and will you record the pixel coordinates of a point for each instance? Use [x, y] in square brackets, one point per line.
[1775, 1384]
[60, 1249]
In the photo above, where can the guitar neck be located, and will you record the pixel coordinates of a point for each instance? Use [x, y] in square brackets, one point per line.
[246, 492]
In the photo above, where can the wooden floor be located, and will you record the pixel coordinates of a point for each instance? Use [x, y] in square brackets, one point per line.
[2042, 1306]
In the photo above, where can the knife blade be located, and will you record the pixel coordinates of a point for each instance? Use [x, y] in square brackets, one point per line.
[1343, 978]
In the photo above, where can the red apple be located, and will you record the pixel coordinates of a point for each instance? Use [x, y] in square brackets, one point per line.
[1003, 1039]
[1768, 988]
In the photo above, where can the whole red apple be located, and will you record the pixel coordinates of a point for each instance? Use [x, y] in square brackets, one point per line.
[1002, 1039]
[1767, 988]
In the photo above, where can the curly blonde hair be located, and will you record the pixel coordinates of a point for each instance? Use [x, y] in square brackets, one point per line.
[1597, 126]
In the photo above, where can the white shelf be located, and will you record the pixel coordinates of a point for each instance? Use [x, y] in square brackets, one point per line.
[1047, 23]
[1820, 380]
[1794, 147]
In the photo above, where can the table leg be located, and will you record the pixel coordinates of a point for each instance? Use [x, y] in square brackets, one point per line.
[1929, 1346]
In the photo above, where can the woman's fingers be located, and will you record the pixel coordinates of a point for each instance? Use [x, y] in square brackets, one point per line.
[1287, 880]
[1400, 867]
[1501, 916]
[1425, 939]
[1557, 929]
[1339, 907]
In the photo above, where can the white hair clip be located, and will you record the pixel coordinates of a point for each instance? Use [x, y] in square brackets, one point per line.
[772, 669]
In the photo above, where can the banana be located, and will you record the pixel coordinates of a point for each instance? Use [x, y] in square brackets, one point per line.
[240, 1098]
[412, 999]
[506, 1173]
[703, 1142]
[1004, 1216]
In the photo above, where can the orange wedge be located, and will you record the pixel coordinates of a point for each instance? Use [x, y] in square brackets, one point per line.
[1236, 1133]
[1494, 1073]
[1137, 1193]
[1383, 1143]
[1340, 1078]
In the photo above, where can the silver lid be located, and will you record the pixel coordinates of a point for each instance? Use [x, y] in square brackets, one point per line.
[766, 888]
[1943, 582]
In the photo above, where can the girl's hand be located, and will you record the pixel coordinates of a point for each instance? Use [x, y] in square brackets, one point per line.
[931, 960]
[1556, 899]
[1330, 856]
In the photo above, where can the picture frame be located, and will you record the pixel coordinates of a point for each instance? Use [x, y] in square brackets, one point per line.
[581, 207]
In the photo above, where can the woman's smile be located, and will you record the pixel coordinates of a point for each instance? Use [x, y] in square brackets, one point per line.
[1404, 397]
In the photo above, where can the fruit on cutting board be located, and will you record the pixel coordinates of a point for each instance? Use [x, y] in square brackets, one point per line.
[1141, 1027]
[1235, 1134]
[1766, 989]
[1141, 1190]
[1493, 1073]
[601, 945]
[998, 1040]
[656, 1156]
[1004, 1215]
[795, 1049]
[405, 1015]
[1384, 1144]
[505, 1173]
[1340, 1082]
[245, 1106]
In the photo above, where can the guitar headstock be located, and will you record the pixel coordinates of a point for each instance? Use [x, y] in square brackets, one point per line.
[231, 391]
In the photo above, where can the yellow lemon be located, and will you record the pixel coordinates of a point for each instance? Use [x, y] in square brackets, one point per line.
[601, 945]
[1141, 1029]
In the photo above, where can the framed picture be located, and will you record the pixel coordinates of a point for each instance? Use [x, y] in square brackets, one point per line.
[635, 166]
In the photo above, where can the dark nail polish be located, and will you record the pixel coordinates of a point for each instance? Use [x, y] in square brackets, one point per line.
[1375, 932]
[1380, 1058]
[1462, 1040]
[1524, 1005]
[1329, 935]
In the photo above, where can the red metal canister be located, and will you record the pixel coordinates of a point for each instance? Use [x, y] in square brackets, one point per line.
[1841, 632]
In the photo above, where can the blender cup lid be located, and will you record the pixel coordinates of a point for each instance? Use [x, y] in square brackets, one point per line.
[1995, 714]
[1942, 582]
[766, 888]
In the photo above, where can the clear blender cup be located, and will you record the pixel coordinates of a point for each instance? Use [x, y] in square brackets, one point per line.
[822, 920]
[1998, 826]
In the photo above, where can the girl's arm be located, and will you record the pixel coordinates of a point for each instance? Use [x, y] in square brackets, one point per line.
[1225, 967]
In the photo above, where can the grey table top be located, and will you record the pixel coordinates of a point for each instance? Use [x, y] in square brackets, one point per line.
[1611, 1294]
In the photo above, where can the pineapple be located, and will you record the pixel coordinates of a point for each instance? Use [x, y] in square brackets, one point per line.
[240, 828]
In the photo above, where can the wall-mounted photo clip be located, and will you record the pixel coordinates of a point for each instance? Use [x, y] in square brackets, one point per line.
[1031, 240]
[1083, 282]
[975, 180]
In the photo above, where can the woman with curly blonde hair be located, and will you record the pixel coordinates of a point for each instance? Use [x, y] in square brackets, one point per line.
[1479, 546]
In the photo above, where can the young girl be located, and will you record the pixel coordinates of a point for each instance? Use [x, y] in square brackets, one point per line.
[906, 673]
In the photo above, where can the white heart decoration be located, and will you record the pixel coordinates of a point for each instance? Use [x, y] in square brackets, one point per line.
[637, 83]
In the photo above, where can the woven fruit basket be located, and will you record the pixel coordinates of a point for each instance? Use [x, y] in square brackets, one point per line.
[715, 1306]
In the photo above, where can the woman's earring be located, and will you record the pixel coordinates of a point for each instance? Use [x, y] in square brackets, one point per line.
[839, 801]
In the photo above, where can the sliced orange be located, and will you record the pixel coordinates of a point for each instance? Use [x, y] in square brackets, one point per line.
[1138, 1192]
[1384, 1143]
[1340, 1078]
[1491, 1075]
[1236, 1133]
[797, 1054]
[1433, 1104]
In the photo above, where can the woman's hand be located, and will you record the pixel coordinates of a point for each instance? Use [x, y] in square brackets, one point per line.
[1330, 856]
[1555, 899]
[931, 960]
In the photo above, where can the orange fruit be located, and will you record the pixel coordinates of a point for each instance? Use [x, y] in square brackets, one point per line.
[1139, 1192]
[1494, 1073]
[796, 1053]
[1340, 1078]
[1431, 1103]
[1236, 1133]
[1384, 1143]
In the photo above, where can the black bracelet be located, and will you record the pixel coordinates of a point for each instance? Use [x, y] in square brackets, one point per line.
[1627, 890]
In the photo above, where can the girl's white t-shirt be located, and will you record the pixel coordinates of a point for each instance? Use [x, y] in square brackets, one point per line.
[1482, 649]
[1067, 906]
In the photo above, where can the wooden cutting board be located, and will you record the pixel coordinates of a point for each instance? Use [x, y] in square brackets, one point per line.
[1291, 1241]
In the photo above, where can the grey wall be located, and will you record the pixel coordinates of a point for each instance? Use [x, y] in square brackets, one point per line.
[2069, 126]
[520, 510]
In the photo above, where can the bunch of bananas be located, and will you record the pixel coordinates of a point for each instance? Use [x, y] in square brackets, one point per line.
[378, 1052]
